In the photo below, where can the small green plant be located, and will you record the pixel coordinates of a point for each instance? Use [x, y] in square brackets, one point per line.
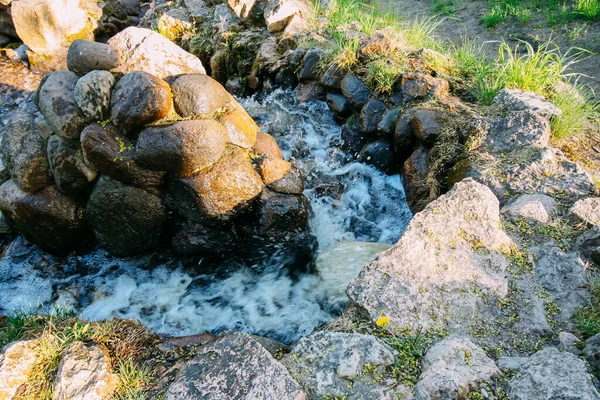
[411, 349]
[134, 380]
[587, 318]
[589, 9]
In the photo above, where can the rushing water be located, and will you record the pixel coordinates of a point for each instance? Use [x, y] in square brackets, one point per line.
[169, 298]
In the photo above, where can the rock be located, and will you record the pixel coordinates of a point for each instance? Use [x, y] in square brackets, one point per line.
[18, 55]
[512, 363]
[310, 70]
[198, 8]
[266, 57]
[198, 95]
[126, 220]
[43, 128]
[266, 146]
[408, 283]
[586, 211]
[278, 13]
[404, 138]
[415, 86]
[589, 244]
[333, 190]
[192, 238]
[244, 9]
[414, 174]
[281, 176]
[338, 104]
[568, 342]
[568, 374]
[310, 91]
[85, 373]
[48, 27]
[174, 23]
[354, 139]
[291, 183]
[183, 148]
[6, 24]
[85, 56]
[241, 128]
[121, 9]
[518, 100]
[332, 77]
[591, 351]
[47, 218]
[92, 94]
[148, 51]
[355, 91]
[293, 34]
[534, 207]
[326, 364]
[427, 126]
[379, 43]
[516, 130]
[71, 173]
[379, 154]
[224, 20]
[234, 367]
[111, 153]
[58, 105]
[218, 192]
[387, 125]
[24, 153]
[4, 40]
[139, 99]
[16, 364]
[371, 115]
[452, 368]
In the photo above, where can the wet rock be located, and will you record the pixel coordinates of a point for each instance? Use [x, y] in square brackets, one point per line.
[414, 174]
[281, 176]
[452, 368]
[379, 154]
[327, 363]
[218, 192]
[24, 153]
[332, 77]
[182, 148]
[338, 104]
[291, 183]
[586, 211]
[58, 105]
[198, 95]
[371, 115]
[71, 173]
[355, 91]
[85, 56]
[408, 282]
[85, 373]
[139, 99]
[278, 13]
[414, 86]
[148, 51]
[47, 218]
[112, 154]
[266, 146]
[234, 367]
[310, 91]
[354, 139]
[404, 137]
[534, 207]
[516, 130]
[591, 351]
[266, 57]
[427, 126]
[192, 238]
[568, 374]
[244, 9]
[333, 189]
[387, 125]
[518, 100]
[16, 364]
[92, 94]
[241, 128]
[126, 220]
[310, 71]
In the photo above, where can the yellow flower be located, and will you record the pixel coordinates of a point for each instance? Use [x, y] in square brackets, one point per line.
[382, 321]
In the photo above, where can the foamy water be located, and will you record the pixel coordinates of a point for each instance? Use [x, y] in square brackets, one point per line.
[177, 300]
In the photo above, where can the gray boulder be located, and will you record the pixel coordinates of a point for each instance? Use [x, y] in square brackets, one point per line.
[518, 100]
[586, 211]
[126, 220]
[58, 105]
[451, 254]
[338, 104]
[517, 129]
[139, 99]
[92, 94]
[549, 375]
[71, 173]
[512, 363]
[85, 56]
[452, 368]
[591, 351]
[24, 153]
[234, 367]
[534, 207]
[568, 342]
[348, 365]
[379, 154]
[198, 95]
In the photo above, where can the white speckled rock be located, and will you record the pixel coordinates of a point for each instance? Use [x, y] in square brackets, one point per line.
[534, 207]
[518, 100]
[586, 211]
[15, 364]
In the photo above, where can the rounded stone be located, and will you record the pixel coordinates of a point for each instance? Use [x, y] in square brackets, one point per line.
[71, 173]
[355, 91]
[198, 94]
[85, 56]
[241, 128]
[266, 146]
[92, 94]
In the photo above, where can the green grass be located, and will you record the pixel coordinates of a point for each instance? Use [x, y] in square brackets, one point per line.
[588, 9]
[587, 318]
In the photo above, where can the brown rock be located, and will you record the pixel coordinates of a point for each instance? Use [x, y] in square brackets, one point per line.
[273, 169]
[198, 94]
[266, 146]
[419, 86]
[241, 128]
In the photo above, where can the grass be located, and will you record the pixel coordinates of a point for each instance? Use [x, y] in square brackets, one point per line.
[587, 318]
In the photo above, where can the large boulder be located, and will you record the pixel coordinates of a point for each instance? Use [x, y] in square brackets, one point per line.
[24, 153]
[47, 218]
[126, 220]
[139, 99]
[327, 363]
[234, 367]
[16, 363]
[517, 129]
[48, 27]
[145, 50]
[451, 254]
[266, 146]
[551, 374]
[183, 148]
[58, 105]
[518, 100]
[85, 56]
[71, 172]
[85, 373]
[198, 95]
[112, 154]
[92, 94]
